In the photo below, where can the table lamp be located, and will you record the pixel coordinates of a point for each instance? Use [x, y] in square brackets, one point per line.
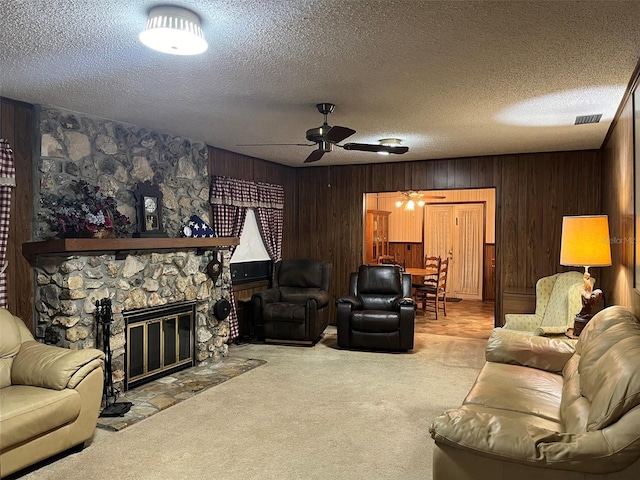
[585, 243]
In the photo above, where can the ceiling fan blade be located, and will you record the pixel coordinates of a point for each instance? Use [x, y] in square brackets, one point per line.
[275, 144]
[337, 134]
[314, 156]
[366, 147]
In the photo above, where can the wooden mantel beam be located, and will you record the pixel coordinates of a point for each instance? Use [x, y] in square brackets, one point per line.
[30, 250]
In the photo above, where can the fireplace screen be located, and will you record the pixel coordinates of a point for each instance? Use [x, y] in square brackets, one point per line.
[159, 341]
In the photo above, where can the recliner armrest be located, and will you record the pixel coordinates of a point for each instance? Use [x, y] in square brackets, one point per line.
[321, 297]
[404, 302]
[53, 367]
[355, 302]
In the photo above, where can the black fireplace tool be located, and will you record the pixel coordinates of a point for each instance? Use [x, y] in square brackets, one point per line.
[104, 317]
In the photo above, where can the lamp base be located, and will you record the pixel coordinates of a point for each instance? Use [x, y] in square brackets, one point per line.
[579, 323]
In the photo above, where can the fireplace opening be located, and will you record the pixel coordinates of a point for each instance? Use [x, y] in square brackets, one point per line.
[159, 341]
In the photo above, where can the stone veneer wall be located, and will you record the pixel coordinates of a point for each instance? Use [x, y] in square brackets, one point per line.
[68, 287]
[116, 156]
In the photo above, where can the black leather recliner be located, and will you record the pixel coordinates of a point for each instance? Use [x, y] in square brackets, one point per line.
[379, 312]
[296, 307]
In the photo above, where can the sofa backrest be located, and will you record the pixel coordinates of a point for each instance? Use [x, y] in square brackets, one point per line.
[12, 333]
[606, 367]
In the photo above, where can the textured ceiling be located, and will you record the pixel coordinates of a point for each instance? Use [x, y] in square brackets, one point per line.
[450, 78]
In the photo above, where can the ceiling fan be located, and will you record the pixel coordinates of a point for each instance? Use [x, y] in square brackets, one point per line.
[410, 199]
[326, 137]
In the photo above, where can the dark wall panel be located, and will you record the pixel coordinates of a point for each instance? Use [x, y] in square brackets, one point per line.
[16, 127]
[324, 210]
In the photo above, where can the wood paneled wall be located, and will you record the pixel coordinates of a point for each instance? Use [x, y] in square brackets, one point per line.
[618, 204]
[16, 126]
[325, 207]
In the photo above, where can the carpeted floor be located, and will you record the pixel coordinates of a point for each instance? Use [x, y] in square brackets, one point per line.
[312, 413]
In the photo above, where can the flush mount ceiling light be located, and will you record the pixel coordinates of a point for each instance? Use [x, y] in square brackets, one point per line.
[173, 30]
[388, 142]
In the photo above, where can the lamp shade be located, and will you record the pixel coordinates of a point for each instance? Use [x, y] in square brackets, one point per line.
[173, 30]
[585, 241]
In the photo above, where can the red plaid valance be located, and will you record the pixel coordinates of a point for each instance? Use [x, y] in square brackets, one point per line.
[242, 193]
[7, 183]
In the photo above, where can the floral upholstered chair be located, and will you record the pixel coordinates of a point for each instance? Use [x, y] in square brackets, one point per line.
[558, 300]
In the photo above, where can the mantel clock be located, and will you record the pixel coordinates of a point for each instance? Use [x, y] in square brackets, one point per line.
[149, 210]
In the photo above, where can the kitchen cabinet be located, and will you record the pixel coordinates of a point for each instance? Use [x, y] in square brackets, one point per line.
[377, 235]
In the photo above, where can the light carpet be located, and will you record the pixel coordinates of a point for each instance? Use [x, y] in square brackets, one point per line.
[308, 413]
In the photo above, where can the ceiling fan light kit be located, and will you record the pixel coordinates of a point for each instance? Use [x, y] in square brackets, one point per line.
[388, 142]
[411, 199]
[173, 30]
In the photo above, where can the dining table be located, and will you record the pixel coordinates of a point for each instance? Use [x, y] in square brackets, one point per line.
[421, 272]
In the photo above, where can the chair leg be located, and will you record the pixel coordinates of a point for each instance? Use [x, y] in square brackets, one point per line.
[444, 304]
[436, 304]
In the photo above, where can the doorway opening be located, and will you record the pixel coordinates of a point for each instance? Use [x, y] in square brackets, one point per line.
[458, 224]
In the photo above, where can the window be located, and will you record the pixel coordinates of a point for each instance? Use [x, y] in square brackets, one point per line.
[250, 260]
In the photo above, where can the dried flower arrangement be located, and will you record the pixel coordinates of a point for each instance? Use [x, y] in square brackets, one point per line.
[87, 213]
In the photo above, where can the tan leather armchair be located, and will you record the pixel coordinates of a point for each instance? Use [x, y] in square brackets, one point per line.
[549, 408]
[49, 396]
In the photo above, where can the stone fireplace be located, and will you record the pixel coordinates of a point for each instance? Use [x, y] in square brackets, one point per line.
[71, 274]
[69, 283]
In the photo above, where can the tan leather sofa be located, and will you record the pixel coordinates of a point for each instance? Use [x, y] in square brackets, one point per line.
[549, 408]
[49, 396]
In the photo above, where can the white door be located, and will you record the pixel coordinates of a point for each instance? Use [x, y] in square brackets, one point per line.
[457, 231]
[438, 234]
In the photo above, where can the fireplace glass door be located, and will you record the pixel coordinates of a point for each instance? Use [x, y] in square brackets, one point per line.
[158, 343]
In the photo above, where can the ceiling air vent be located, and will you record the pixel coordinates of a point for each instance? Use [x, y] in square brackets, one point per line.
[582, 119]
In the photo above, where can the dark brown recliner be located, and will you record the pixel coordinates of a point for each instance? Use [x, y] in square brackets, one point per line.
[379, 312]
[296, 307]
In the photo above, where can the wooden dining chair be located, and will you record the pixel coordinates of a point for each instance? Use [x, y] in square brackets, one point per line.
[434, 295]
[430, 263]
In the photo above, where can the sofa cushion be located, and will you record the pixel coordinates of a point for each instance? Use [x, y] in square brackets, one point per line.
[518, 389]
[375, 321]
[608, 366]
[618, 378]
[297, 294]
[284, 312]
[28, 412]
